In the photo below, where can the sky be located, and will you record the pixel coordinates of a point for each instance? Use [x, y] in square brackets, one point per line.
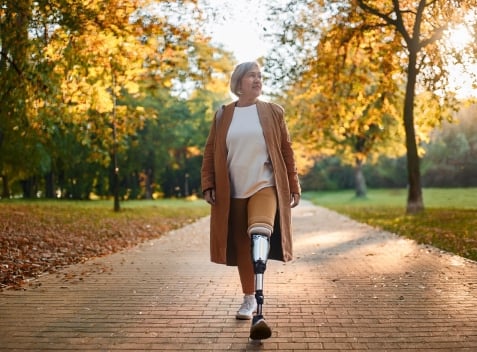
[239, 28]
[461, 81]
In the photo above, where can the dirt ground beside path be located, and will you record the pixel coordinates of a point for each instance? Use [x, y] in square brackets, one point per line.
[350, 288]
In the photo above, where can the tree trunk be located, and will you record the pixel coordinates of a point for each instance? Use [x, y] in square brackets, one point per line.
[359, 179]
[415, 202]
[50, 185]
[116, 205]
[149, 182]
[5, 187]
[29, 188]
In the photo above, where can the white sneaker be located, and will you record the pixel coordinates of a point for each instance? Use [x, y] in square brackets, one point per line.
[248, 307]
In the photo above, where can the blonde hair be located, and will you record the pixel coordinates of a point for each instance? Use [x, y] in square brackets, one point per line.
[239, 72]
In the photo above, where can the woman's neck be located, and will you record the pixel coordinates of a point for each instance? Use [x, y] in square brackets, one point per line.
[243, 102]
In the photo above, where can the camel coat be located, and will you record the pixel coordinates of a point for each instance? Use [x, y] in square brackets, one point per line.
[214, 174]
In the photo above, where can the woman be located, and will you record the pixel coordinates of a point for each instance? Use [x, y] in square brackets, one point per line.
[249, 177]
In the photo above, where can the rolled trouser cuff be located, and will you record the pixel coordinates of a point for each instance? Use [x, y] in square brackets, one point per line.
[260, 228]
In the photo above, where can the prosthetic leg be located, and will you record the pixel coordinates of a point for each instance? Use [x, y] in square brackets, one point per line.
[260, 249]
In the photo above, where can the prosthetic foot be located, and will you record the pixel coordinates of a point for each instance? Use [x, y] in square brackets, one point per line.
[260, 249]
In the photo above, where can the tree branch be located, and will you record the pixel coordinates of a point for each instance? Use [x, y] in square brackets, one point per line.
[397, 23]
[434, 37]
[373, 11]
[11, 62]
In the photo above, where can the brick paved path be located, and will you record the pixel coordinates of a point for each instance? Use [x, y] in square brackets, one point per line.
[350, 288]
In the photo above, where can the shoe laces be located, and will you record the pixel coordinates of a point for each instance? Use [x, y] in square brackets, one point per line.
[248, 303]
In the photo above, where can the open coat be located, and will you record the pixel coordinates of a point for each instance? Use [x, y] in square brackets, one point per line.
[215, 175]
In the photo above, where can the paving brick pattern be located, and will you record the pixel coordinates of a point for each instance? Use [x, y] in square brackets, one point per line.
[350, 288]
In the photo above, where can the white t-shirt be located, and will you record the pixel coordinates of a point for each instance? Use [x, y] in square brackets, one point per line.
[248, 161]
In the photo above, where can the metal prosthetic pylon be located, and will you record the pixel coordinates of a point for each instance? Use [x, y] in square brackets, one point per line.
[260, 249]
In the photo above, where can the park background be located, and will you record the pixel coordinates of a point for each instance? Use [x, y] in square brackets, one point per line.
[112, 101]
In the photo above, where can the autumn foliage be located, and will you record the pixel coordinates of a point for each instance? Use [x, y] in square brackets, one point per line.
[38, 237]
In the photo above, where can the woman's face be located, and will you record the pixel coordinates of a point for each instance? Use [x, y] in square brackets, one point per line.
[251, 84]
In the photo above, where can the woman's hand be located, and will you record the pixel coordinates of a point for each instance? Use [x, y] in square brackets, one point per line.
[294, 200]
[209, 196]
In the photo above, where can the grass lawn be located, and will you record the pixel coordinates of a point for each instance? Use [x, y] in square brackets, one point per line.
[449, 221]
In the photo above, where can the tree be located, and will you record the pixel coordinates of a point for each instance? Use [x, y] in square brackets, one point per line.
[410, 37]
[451, 154]
[344, 100]
[421, 25]
[102, 62]
[78, 78]
[16, 85]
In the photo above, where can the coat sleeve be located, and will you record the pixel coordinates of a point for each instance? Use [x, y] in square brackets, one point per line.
[208, 164]
[287, 152]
